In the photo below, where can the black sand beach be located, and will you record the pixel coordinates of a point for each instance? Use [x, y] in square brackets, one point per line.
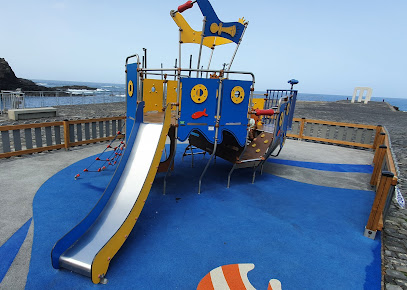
[373, 113]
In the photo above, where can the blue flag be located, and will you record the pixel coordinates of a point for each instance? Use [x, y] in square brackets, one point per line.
[214, 27]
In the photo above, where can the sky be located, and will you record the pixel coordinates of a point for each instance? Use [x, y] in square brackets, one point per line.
[329, 46]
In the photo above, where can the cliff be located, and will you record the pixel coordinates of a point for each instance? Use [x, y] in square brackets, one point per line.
[9, 81]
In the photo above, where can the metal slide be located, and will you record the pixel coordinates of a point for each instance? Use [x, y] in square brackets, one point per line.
[88, 248]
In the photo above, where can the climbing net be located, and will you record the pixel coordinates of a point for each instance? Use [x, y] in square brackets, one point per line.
[107, 157]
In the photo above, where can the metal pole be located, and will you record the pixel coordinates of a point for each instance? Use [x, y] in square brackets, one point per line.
[200, 46]
[179, 49]
[216, 137]
[176, 128]
[145, 57]
[190, 64]
[175, 67]
[237, 47]
[210, 58]
[145, 60]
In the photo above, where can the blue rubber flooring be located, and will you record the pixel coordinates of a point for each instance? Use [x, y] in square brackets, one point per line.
[306, 236]
[9, 250]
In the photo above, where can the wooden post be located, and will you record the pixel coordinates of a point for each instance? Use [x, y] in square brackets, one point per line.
[376, 142]
[66, 134]
[382, 191]
[380, 141]
[302, 125]
[378, 165]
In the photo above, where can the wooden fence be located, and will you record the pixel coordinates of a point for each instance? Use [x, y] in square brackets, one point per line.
[23, 139]
[357, 135]
[30, 138]
[384, 176]
[384, 179]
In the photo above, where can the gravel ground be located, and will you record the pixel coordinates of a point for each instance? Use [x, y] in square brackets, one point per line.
[374, 113]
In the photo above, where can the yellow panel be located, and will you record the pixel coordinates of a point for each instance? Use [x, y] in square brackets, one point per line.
[102, 260]
[188, 35]
[153, 95]
[258, 104]
[172, 92]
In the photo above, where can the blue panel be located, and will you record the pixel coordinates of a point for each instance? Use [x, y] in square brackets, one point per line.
[280, 131]
[234, 116]
[205, 112]
[233, 34]
[293, 101]
[70, 238]
[131, 101]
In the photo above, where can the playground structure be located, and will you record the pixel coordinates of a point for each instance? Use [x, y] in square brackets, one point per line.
[215, 111]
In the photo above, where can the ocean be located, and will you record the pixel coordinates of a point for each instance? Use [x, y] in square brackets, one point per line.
[109, 92]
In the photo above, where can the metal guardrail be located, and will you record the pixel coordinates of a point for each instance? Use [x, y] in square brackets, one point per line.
[23, 139]
[11, 100]
[38, 99]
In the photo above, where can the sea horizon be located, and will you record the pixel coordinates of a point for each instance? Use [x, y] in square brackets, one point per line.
[119, 88]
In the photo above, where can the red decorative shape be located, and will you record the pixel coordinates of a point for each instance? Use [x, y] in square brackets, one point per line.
[97, 158]
[185, 6]
[118, 132]
[85, 170]
[104, 167]
[99, 170]
[199, 114]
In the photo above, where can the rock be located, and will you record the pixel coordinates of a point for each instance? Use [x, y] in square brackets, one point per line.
[401, 283]
[9, 81]
[395, 274]
[74, 87]
[401, 269]
[393, 287]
